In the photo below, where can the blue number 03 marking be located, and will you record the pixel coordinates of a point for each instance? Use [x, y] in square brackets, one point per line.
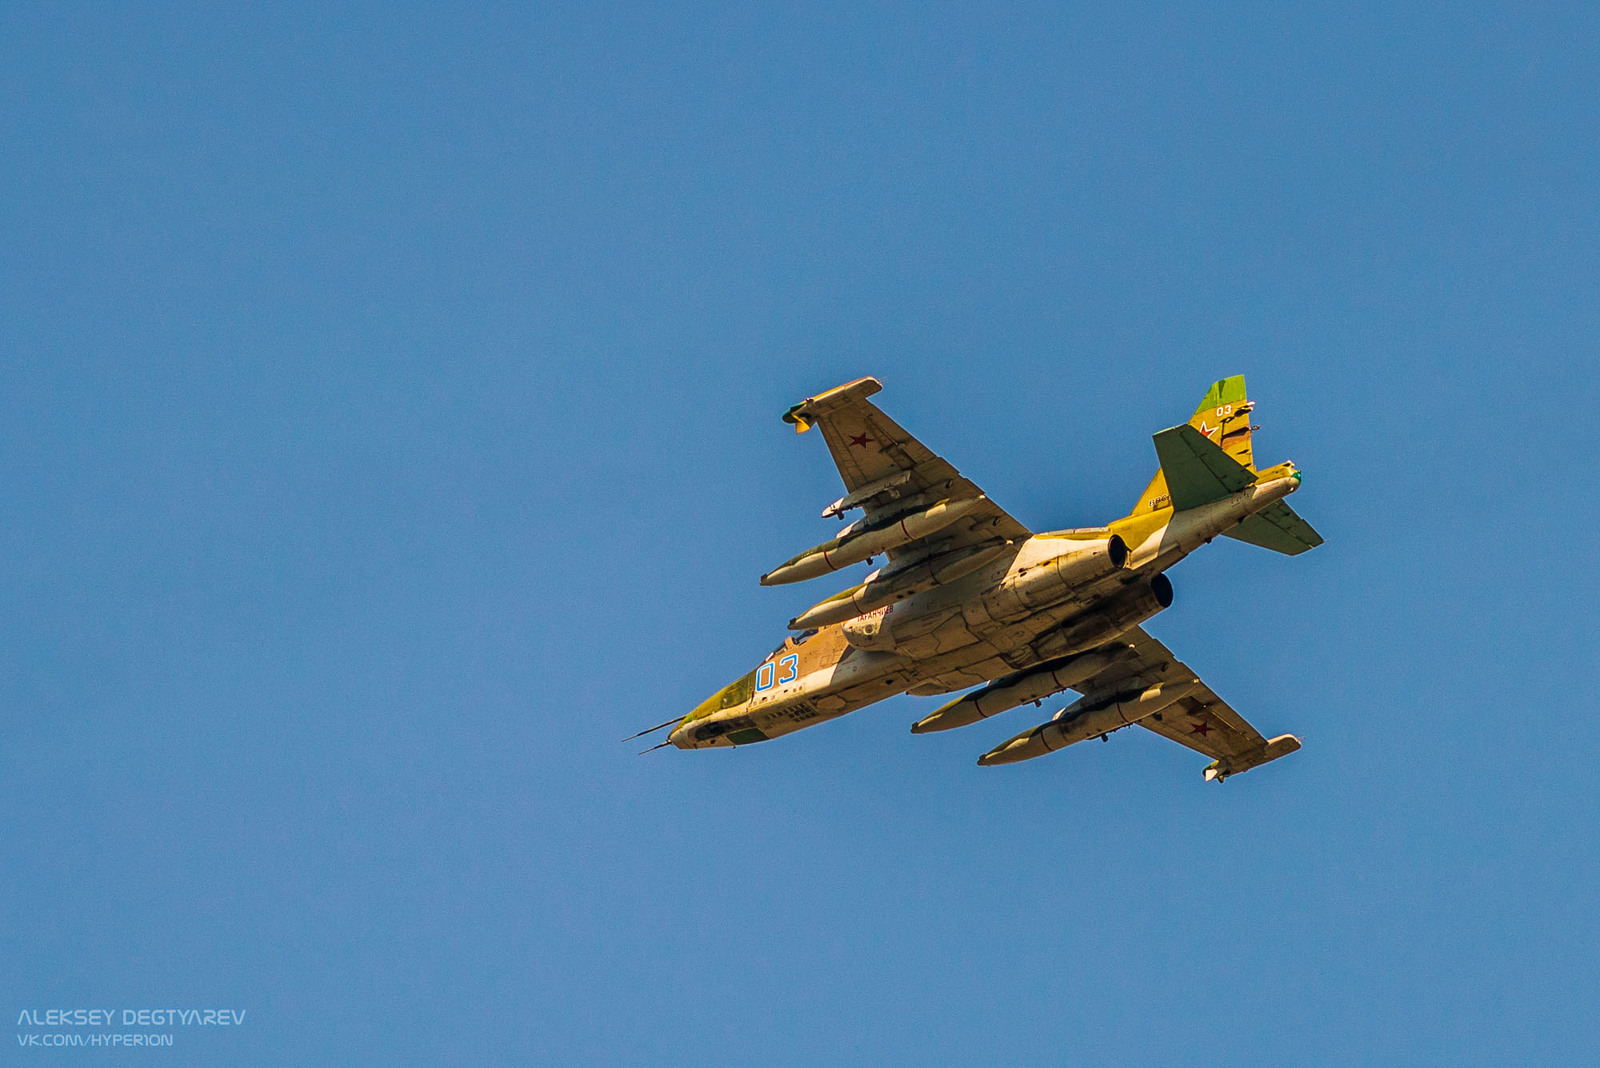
[786, 670]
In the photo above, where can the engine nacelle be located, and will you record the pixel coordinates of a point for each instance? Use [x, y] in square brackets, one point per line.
[1055, 579]
[1107, 620]
[1038, 583]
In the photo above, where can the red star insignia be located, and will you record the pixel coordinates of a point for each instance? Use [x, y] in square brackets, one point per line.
[861, 439]
[1206, 429]
[1202, 729]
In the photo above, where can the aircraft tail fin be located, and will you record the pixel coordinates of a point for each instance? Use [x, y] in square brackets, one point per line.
[1196, 469]
[1223, 421]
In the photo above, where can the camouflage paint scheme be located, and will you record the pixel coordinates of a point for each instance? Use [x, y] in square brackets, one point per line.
[972, 597]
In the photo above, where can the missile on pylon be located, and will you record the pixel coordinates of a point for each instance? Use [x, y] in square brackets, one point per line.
[1282, 745]
[1034, 684]
[1089, 717]
[859, 540]
[891, 586]
[889, 484]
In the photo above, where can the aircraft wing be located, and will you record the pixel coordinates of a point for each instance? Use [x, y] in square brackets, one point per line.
[1200, 720]
[881, 463]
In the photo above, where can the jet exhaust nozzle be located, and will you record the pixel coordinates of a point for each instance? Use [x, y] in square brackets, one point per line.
[1117, 549]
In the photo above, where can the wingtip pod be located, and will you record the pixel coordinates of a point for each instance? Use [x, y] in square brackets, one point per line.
[1281, 746]
[805, 413]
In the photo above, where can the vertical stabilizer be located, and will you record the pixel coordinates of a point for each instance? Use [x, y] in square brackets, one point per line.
[1223, 417]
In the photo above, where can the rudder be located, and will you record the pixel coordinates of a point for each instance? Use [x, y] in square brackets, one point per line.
[1223, 417]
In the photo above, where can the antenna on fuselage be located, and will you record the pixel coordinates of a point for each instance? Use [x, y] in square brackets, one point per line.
[652, 730]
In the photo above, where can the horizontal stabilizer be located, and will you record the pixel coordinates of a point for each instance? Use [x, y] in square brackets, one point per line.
[1197, 469]
[1278, 528]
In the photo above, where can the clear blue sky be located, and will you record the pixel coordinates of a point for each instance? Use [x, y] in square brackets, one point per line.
[389, 424]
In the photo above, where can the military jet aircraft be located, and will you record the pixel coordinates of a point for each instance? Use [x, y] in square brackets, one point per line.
[971, 597]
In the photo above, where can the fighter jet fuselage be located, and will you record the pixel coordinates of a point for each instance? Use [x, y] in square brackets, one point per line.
[969, 597]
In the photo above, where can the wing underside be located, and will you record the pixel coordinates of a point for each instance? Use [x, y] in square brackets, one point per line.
[882, 465]
[1200, 720]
